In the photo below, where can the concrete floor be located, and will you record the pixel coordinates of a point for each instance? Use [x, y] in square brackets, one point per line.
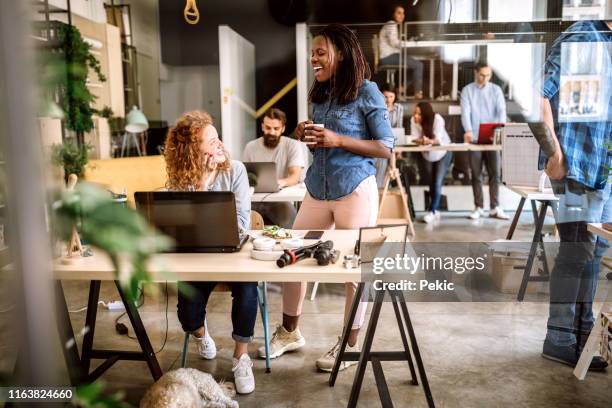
[475, 354]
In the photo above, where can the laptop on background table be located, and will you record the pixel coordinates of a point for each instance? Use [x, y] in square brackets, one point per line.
[266, 176]
[198, 221]
[486, 132]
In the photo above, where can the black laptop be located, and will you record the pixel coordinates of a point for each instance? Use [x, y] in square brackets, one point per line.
[199, 221]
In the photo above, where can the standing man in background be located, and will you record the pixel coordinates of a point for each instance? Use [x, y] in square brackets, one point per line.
[289, 157]
[483, 102]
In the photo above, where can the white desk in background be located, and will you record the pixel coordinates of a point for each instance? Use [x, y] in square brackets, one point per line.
[294, 194]
[592, 344]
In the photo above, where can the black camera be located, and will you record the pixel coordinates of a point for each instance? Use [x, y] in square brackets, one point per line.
[323, 252]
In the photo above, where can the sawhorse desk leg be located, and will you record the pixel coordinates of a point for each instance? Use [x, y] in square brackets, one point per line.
[536, 242]
[515, 220]
[78, 368]
[366, 354]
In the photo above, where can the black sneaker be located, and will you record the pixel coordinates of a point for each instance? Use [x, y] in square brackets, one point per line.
[569, 355]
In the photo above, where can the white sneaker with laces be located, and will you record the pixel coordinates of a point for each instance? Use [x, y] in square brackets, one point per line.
[497, 212]
[477, 213]
[243, 374]
[283, 341]
[431, 217]
[206, 345]
[326, 363]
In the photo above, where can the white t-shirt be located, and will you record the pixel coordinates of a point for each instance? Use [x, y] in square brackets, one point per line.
[289, 152]
[439, 132]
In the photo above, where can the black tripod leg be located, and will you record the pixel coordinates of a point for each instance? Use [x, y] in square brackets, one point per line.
[345, 334]
[141, 334]
[417, 354]
[400, 325]
[367, 347]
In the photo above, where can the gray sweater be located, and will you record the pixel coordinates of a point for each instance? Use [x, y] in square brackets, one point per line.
[235, 180]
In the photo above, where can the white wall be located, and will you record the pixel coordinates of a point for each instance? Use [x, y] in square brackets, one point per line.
[187, 88]
[237, 89]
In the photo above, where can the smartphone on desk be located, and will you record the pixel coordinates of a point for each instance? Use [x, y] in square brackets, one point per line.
[313, 235]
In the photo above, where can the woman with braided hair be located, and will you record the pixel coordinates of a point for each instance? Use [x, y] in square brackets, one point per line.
[196, 161]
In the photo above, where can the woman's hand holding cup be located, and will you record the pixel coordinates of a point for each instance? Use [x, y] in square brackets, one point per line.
[301, 128]
[313, 133]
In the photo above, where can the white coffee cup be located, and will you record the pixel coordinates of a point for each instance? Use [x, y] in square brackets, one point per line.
[311, 139]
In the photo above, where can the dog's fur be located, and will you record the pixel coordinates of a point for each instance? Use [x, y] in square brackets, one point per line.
[189, 388]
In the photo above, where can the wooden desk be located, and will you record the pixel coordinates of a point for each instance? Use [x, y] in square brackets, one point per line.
[289, 194]
[229, 267]
[592, 344]
[596, 228]
[546, 199]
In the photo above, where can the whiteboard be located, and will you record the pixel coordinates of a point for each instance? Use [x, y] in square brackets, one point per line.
[520, 153]
[237, 83]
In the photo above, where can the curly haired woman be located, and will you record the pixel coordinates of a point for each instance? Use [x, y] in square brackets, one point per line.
[197, 161]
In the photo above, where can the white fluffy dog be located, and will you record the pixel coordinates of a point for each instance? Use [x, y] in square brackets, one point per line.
[189, 388]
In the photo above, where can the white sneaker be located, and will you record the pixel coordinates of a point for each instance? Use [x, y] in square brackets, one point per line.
[206, 345]
[283, 341]
[243, 374]
[431, 217]
[477, 213]
[497, 212]
[326, 363]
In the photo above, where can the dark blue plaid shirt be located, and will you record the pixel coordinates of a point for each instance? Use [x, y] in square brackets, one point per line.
[584, 144]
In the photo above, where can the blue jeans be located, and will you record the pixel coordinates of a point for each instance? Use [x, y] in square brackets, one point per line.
[573, 280]
[192, 309]
[436, 180]
[411, 63]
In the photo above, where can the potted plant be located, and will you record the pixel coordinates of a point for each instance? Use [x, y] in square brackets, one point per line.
[71, 156]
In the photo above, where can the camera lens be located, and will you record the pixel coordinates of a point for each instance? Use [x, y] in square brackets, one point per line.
[283, 261]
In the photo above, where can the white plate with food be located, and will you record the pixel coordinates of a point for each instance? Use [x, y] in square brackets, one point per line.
[277, 233]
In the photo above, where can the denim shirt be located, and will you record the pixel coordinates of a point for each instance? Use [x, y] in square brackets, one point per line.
[336, 172]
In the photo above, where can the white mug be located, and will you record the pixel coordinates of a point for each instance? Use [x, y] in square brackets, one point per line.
[310, 140]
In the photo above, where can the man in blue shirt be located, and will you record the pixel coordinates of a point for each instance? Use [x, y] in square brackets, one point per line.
[579, 173]
[483, 102]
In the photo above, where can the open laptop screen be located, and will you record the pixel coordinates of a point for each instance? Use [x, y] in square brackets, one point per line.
[198, 221]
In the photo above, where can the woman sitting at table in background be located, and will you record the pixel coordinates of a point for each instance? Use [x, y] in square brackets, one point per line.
[396, 118]
[342, 191]
[429, 129]
[196, 161]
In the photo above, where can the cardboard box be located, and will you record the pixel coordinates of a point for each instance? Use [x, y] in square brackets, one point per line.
[507, 279]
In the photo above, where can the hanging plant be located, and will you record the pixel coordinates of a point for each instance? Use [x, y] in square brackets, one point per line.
[76, 99]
